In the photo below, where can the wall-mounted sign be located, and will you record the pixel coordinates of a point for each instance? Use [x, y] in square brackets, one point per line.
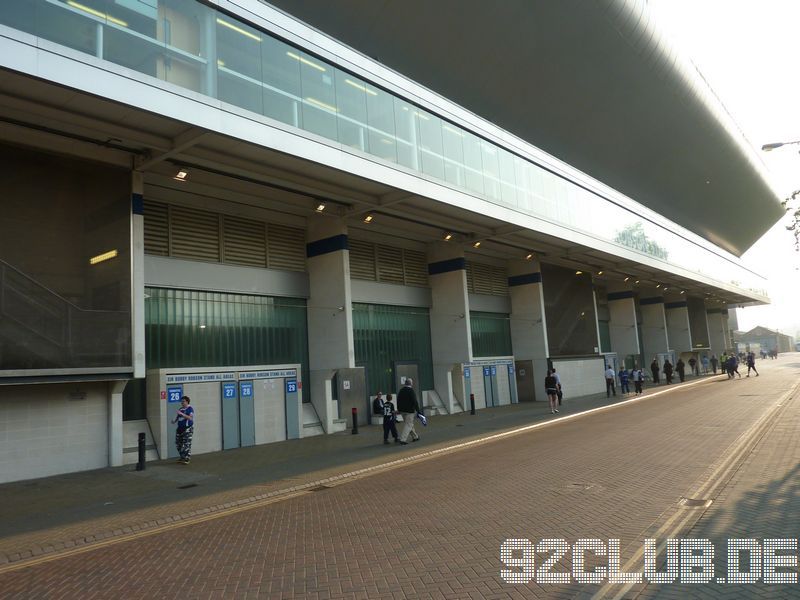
[246, 389]
[229, 390]
[291, 386]
[174, 393]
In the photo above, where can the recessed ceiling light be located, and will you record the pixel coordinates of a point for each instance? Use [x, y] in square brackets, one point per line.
[600, 272]
[529, 257]
[448, 236]
[637, 281]
[103, 257]
[368, 219]
[320, 207]
[627, 278]
[181, 175]
[578, 272]
[476, 244]
[658, 285]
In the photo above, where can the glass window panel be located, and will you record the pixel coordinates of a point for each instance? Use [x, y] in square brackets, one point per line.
[351, 100]
[508, 183]
[453, 151]
[407, 134]
[239, 64]
[522, 175]
[187, 29]
[430, 143]
[281, 75]
[78, 28]
[491, 334]
[569, 307]
[21, 15]
[491, 170]
[319, 95]
[473, 163]
[130, 37]
[380, 117]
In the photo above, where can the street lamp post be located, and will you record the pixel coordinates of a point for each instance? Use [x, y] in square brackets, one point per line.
[773, 145]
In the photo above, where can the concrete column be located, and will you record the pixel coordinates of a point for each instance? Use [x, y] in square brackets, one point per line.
[137, 274]
[528, 323]
[678, 327]
[330, 313]
[717, 331]
[451, 334]
[622, 327]
[115, 437]
[654, 326]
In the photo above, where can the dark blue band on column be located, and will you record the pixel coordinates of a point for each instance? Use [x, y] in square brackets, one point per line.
[524, 279]
[327, 245]
[620, 295]
[653, 300]
[447, 266]
[137, 204]
[681, 304]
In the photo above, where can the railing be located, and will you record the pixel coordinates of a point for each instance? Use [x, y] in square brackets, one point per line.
[45, 330]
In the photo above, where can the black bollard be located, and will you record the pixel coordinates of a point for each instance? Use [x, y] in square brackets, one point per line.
[472, 404]
[141, 463]
[355, 420]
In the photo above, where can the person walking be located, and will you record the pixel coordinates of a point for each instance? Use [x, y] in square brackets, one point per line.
[751, 363]
[559, 391]
[693, 365]
[668, 369]
[389, 419]
[610, 387]
[638, 379]
[551, 388]
[654, 370]
[408, 407]
[183, 434]
[680, 367]
[714, 363]
[705, 364]
[623, 380]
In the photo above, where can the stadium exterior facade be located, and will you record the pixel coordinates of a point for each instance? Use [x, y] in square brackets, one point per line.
[213, 193]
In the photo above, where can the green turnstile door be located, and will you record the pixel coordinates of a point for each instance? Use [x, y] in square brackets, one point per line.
[230, 415]
[247, 414]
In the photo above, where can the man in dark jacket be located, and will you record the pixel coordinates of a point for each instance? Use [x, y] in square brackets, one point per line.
[408, 406]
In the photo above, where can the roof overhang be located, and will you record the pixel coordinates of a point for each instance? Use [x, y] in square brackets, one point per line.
[593, 83]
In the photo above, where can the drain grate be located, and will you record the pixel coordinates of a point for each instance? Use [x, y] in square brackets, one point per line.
[187, 486]
[696, 502]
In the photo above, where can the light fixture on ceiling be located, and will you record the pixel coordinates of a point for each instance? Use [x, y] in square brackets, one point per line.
[368, 219]
[103, 257]
[477, 244]
[600, 272]
[529, 256]
[637, 281]
[683, 291]
[320, 207]
[658, 285]
[666, 288]
[448, 236]
[182, 175]
[202, 326]
[578, 272]
[626, 279]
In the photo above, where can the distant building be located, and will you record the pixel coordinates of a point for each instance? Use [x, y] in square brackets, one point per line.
[761, 338]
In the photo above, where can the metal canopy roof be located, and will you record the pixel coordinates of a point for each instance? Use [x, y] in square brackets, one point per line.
[591, 82]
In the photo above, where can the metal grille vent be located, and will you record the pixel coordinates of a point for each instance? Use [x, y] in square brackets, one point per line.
[286, 248]
[362, 260]
[195, 234]
[156, 228]
[245, 242]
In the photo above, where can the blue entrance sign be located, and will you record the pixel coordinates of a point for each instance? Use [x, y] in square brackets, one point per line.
[486, 371]
[229, 390]
[246, 389]
[510, 369]
[174, 393]
[494, 371]
[291, 386]
[467, 373]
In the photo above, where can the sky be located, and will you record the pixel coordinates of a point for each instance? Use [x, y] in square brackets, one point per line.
[749, 52]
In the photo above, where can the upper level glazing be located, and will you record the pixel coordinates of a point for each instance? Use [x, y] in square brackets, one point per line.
[199, 48]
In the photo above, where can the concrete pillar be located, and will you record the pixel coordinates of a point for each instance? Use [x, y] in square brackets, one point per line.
[451, 334]
[654, 326]
[678, 328]
[528, 323]
[330, 313]
[137, 274]
[717, 330]
[115, 437]
[622, 327]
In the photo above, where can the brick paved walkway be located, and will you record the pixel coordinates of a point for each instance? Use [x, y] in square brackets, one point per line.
[434, 528]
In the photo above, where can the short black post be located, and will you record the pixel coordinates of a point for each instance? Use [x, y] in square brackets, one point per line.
[472, 404]
[141, 463]
[355, 420]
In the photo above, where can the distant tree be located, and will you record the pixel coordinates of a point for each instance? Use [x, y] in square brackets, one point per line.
[634, 236]
[791, 204]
